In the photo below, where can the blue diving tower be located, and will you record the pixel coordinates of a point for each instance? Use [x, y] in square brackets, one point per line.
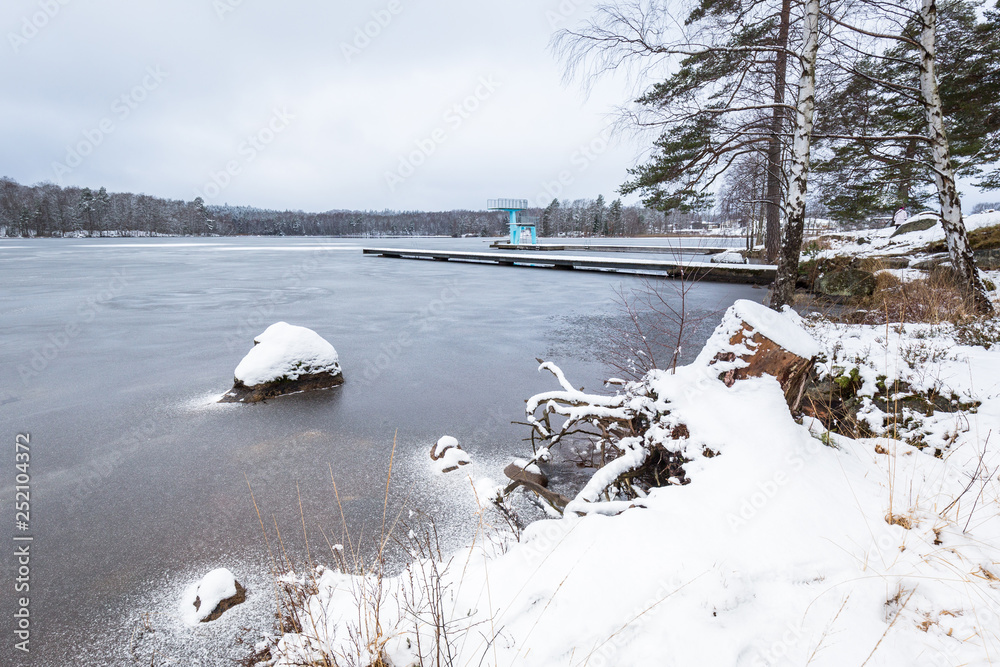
[522, 227]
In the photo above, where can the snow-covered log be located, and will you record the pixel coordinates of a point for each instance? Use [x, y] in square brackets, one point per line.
[642, 432]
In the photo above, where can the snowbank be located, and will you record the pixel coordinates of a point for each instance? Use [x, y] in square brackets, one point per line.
[789, 546]
[874, 242]
[286, 351]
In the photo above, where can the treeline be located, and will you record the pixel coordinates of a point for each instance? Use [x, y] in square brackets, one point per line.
[48, 210]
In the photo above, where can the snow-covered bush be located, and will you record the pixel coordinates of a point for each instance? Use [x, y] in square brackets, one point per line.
[641, 435]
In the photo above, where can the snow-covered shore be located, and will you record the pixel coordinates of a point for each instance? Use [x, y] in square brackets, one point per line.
[882, 242]
[791, 545]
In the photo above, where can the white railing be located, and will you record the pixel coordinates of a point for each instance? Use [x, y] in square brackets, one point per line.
[507, 204]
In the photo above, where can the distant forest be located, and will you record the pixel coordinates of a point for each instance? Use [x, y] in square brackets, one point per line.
[47, 209]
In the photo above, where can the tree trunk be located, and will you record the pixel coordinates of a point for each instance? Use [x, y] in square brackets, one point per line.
[772, 229]
[783, 290]
[944, 174]
[906, 174]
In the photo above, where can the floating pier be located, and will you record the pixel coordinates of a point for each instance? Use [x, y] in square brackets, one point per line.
[597, 247]
[756, 274]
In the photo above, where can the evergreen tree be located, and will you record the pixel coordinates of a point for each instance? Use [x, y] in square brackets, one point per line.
[548, 216]
[865, 174]
[86, 208]
[614, 221]
[597, 216]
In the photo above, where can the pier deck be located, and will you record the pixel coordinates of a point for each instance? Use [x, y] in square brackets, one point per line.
[757, 274]
[598, 247]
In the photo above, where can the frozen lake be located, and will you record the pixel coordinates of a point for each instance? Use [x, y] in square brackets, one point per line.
[110, 353]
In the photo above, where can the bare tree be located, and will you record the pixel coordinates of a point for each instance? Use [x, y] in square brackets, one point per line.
[712, 86]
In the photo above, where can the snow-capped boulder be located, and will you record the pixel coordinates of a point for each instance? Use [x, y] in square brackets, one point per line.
[209, 598]
[285, 359]
[448, 455]
[918, 223]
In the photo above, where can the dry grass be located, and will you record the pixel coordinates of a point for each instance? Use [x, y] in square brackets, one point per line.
[985, 238]
[936, 299]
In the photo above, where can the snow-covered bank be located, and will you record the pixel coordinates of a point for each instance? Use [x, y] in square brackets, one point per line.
[790, 545]
[878, 242]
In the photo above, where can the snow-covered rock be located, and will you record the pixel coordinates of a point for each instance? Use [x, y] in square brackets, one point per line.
[285, 359]
[729, 257]
[448, 455]
[209, 598]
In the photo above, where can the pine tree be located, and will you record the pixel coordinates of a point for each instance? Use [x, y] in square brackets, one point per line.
[724, 98]
[548, 216]
[862, 177]
[614, 220]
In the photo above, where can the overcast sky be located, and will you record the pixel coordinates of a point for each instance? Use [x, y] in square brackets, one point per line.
[372, 104]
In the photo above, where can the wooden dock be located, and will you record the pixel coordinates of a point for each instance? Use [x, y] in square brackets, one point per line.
[757, 274]
[599, 247]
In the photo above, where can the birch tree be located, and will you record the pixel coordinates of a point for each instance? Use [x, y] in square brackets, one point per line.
[783, 289]
[924, 43]
[944, 174]
[880, 96]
